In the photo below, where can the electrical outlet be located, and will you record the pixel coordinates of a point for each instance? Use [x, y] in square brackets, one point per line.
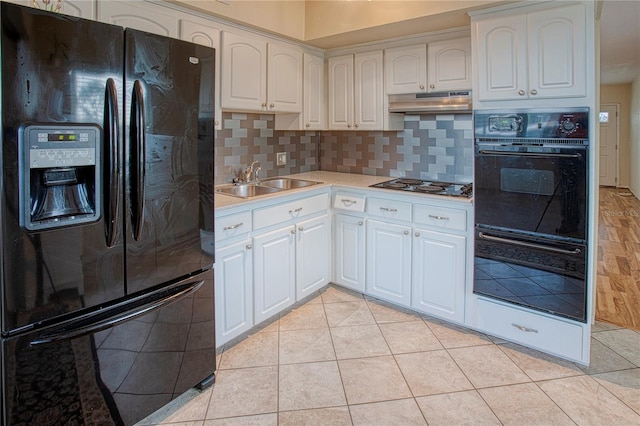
[281, 158]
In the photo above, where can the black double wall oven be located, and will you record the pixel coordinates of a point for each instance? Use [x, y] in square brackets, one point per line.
[530, 197]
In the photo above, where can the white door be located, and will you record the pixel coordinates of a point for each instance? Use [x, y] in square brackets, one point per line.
[274, 272]
[439, 274]
[313, 94]
[608, 145]
[368, 91]
[449, 64]
[341, 93]
[349, 251]
[405, 69]
[234, 291]
[389, 262]
[313, 255]
[244, 73]
[140, 16]
[284, 79]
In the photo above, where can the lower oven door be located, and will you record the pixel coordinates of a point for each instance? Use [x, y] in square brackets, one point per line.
[532, 271]
[541, 189]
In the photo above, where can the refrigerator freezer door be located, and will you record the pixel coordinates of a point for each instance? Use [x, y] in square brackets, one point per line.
[118, 375]
[53, 79]
[169, 158]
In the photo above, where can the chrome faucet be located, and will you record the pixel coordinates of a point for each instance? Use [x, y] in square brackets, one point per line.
[251, 174]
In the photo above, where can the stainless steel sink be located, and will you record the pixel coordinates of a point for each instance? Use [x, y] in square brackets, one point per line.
[286, 183]
[246, 190]
[263, 187]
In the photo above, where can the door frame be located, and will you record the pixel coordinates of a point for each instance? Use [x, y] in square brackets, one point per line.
[617, 142]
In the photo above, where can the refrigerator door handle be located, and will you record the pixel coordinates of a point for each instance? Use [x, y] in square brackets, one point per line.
[86, 326]
[112, 171]
[137, 155]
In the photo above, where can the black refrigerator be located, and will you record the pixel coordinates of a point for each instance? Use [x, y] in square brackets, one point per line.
[106, 220]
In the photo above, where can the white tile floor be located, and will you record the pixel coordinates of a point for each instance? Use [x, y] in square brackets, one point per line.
[342, 359]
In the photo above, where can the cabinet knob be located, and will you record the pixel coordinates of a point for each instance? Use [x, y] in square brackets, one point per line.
[307, 125]
[406, 232]
[217, 123]
[422, 87]
[301, 229]
[264, 105]
[432, 86]
[534, 92]
[357, 125]
[360, 223]
[293, 231]
[417, 234]
[521, 92]
[349, 126]
[272, 105]
[249, 246]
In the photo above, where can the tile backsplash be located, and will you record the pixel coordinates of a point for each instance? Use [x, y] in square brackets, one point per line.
[437, 147]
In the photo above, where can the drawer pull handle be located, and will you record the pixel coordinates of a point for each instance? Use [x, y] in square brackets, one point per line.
[388, 209]
[230, 227]
[433, 216]
[348, 203]
[298, 210]
[525, 329]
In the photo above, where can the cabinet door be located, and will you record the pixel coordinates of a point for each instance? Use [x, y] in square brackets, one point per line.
[274, 272]
[284, 79]
[405, 69]
[557, 52]
[197, 32]
[341, 92]
[501, 47]
[244, 73]
[234, 291]
[313, 94]
[449, 64]
[389, 262]
[313, 255]
[439, 274]
[139, 15]
[368, 91]
[349, 251]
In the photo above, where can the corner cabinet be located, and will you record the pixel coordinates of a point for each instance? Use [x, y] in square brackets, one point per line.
[356, 94]
[539, 54]
[260, 76]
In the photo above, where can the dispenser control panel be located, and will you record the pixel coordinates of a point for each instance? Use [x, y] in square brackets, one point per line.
[61, 146]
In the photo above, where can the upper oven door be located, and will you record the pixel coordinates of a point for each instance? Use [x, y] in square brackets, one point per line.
[540, 189]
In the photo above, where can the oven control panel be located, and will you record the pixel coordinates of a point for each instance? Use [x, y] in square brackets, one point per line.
[532, 124]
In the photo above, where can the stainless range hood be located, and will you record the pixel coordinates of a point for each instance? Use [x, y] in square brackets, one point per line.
[443, 102]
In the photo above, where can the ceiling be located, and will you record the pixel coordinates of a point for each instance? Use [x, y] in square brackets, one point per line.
[619, 41]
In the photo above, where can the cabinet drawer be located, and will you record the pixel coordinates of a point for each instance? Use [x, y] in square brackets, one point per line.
[233, 225]
[441, 217]
[389, 209]
[534, 330]
[350, 202]
[279, 213]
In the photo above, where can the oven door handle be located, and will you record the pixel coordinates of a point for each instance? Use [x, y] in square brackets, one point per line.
[484, 236]
[528, 154]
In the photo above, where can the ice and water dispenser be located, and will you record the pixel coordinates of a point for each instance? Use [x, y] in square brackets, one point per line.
[60, 175]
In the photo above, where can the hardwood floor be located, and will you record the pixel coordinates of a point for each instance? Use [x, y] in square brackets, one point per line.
[618, 276]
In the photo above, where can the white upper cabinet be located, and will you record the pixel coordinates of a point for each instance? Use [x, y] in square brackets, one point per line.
[260, 77]
[313, 110]
[449, 65]
[540, 54]
[356, 94]
[80, 8]
[139, 15]
[196, 31]
[405, 69]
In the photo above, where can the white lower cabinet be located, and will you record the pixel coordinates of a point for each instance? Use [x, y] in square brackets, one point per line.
[274, 272]
[438, 274]
[313, 255]
[349, 251]
[389, 262]
[234, 290]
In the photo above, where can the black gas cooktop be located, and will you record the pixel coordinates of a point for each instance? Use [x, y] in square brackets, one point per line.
[428, 187]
